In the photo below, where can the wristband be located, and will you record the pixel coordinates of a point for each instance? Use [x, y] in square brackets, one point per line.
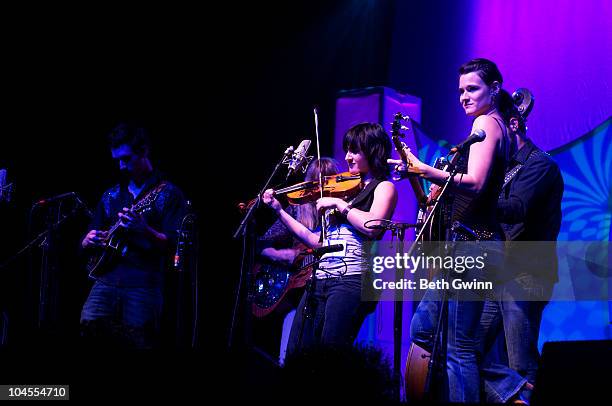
[346, 210]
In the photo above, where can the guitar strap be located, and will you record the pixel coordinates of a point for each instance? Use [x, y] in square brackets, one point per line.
[514, 171]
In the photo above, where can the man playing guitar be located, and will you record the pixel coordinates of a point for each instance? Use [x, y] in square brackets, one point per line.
[125, 302]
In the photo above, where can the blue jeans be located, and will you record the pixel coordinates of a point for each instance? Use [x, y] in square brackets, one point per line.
[510, 327]
[128, 314]
[463, 343]
[337, 311]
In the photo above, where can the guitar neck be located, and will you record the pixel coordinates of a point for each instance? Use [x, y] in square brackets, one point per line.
[114, 228]
[135, 207]
[417, 188]
[117, 224]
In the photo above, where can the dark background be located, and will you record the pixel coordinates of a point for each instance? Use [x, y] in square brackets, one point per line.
[223, 90]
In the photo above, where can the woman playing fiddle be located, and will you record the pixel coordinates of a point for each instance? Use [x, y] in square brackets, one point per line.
[277, 243]
[336, 306]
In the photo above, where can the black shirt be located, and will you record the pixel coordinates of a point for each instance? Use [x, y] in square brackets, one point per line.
[143, 262]
[479, 211]
[529, 206]
[278, 235]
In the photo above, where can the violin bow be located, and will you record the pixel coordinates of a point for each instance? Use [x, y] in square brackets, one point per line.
[316, 122]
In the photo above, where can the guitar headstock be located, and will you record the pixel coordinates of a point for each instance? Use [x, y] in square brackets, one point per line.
[396, 132]
[396, 125]
[400, 146]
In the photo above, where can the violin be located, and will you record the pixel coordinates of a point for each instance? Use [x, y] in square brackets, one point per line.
[343, 185]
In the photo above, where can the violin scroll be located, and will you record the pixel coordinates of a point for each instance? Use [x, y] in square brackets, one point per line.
[523, 100]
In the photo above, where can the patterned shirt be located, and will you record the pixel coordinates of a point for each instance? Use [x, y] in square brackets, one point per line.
[142, 263]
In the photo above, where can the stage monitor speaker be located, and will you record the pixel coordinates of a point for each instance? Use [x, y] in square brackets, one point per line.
[577, 371]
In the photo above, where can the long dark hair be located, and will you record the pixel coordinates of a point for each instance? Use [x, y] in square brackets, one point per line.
[307, 213]
[374, 142]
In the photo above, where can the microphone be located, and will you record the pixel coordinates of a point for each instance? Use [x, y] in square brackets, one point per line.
[42, 202]
[63, 196]
[323, 250]
[388, 225]
[392, 226]
[299, 157]
[477, 136]
[288, 153]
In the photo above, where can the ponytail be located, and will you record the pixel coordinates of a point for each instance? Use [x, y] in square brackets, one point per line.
[506, 106]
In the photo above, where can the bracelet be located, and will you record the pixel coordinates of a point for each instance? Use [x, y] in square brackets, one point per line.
[346, 210]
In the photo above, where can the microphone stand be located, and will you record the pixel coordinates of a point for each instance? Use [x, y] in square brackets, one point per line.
[309, 302]
[398, 231]
[398, 305]
[186, 289]
[442, 322]
[46, 312]
[398, 310]
[241, 231]
[48, 289]
[247, 234]
[49, 284]
[40, 238]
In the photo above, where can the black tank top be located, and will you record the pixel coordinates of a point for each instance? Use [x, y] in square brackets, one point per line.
[480, 212]
[363, 201]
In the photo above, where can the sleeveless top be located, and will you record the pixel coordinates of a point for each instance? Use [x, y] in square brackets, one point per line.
[354, 259]
[480, 212]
